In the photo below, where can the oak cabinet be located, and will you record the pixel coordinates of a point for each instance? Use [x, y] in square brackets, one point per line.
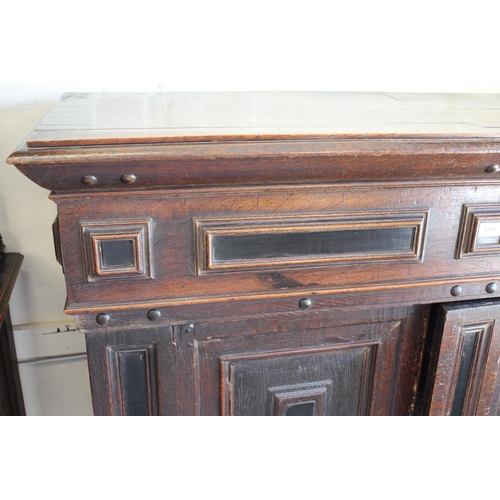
[278, 253]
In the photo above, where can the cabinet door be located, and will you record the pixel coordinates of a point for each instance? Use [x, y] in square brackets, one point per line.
[464, 360]
[141, 372]
[335, 363]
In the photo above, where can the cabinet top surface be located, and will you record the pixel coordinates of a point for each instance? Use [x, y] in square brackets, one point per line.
[116, 119]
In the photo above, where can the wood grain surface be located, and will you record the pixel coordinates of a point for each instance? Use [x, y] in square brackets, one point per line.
[91, 119]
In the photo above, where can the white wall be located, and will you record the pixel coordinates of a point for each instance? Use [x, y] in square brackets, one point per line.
[53, 369]
[425, 46]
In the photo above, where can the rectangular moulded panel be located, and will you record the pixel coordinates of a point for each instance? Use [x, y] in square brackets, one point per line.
[133, 379]
[235, 244]
[326, 381]
[307, 243]
[480, 231]
[468, 347]
[464, 363]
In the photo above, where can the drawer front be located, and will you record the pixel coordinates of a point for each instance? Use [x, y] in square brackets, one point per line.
[202, 245]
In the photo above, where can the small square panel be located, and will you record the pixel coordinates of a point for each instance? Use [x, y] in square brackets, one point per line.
[301, 409]
[488, 233]
[479, 232]
[117, 250]
[118, 253]
[299, 400]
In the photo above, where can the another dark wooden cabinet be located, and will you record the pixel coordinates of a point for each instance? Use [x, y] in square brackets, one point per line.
[11, 393]
[277, 253]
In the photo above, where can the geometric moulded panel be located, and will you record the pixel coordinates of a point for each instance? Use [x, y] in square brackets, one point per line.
[335, 380]
[473, 345]
[479, 234]
[117, 250]
[133, 379]
[261, 242]
[306, 399]
[463, 374]
[461, 368]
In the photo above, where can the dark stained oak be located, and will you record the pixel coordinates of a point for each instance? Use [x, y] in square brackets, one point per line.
[178, 251]
[193, 139]
[277, 253]
[463, 378]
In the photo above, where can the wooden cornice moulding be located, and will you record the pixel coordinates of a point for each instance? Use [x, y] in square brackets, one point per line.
[193, 139]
